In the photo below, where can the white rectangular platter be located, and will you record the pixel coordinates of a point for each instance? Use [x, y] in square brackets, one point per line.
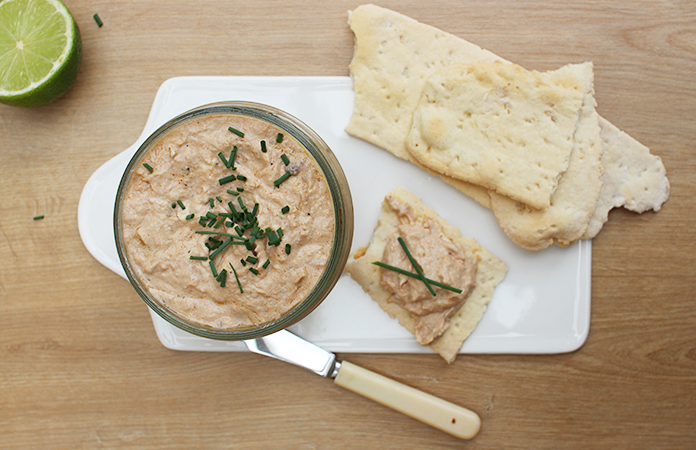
[542, 305]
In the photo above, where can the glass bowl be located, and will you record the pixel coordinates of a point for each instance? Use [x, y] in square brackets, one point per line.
[342, 219]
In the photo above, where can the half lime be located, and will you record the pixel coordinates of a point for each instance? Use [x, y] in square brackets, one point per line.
[40, 51]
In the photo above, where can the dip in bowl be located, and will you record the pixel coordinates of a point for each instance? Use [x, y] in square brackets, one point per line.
[233, 220]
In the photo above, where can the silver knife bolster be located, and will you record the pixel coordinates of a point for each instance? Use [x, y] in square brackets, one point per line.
[288, 347]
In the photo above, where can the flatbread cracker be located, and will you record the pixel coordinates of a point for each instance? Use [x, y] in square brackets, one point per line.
[395, 54]
[500, 126]
[574, 201]
[633, 177]
[489, 274]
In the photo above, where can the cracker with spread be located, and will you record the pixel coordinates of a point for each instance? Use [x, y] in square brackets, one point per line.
[445, 293]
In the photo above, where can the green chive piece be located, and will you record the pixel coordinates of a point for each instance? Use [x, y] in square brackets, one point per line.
[279, 137]
[285, 159]
[241, 178]
[223, 159]
[221, 248]
[211, 202]
[287, 249]
[252, 259]
[226, 179]
[268, 261]
[415, 275]
[263, 146]
[38, 217]
[98, 20]
[190, 216]
[219, 222]
[416, 266]
[240, 189]
[237, 278]
[203, 221]
[241, 204]
[148, 167]
[173, 205]
[231, 192]
[212, 268]
[209, 214]
[181, 204]
[254, 271]
[199, 258]
[282, 178]
[222, 278]
[285, 209]
[280, 233]
[237, 132]
[233, 156]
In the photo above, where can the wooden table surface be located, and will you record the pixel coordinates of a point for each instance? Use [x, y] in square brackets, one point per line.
[81, 366]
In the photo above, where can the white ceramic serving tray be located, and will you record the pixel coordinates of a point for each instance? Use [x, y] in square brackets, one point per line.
[542, 305]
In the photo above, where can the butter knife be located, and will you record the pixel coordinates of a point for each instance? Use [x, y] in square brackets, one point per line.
[434, 411]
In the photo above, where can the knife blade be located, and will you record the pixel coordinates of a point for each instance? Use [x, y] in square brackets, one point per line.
[427, 408]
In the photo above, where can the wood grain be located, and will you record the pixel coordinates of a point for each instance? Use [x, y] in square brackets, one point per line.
[81, 367]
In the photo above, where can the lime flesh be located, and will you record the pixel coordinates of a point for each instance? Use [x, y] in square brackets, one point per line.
[40, 51]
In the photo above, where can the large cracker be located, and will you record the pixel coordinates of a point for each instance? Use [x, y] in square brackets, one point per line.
[489, 274]
[633, 177]
[500, 126]
[395, 54]
[393, 57]
[574, 201]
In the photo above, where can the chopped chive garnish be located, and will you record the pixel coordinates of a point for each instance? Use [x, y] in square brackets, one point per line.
[232, 192]
[282, 178]
[226, 179]
[285, 159]
[173, 205]
[190, 216]
[263, 146]
[240, 189]
[241, 204]
[198, 258]
[98, 20]
[415, 275]
[255, 211]
[218, 233]
[38, 217]
[416, 266]
[223, 159]
[148, 167]
[211, 202]
[280, 233]
[237, 132]
[202, 221]
[242, 262]
[221, 248]
[233, 156]
[279, 137]
[254, 271]
[241, 178]
[211, 215]
[252, 259]
[222, 278]
[287, 249]
[219, 222]
[285, 209]
[237, 278]
[268, 261]
[181, 204]
[212, 268]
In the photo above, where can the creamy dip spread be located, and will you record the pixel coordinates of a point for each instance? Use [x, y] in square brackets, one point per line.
[241, 178]
[440, 259]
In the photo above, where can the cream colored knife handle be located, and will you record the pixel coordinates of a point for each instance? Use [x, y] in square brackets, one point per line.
[441, 414]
